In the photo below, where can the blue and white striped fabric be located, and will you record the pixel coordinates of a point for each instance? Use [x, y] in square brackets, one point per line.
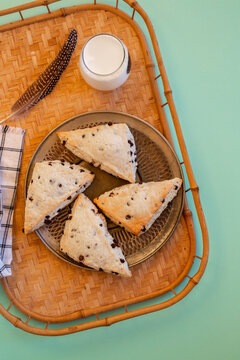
[11, 146]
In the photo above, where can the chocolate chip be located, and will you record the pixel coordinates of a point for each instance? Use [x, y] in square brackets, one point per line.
[51, 181]
[163, 200]
[111, 194]
[47, 217]
[175, 187]
[83, 136]
[128, 204]
[50, 164]
[93, 134]
[110, 123]
[30, 198]
[81, 170]
[115, 273]
[93, 210]
[100, 269]
[76, 182]
[88, 247]
[91, 172]
[71, 236]
[70, 218]
[71, 167]
[113, 245]
[81, 258]
[130, 142]
[47, 222]
[62, 163]
[31, 181]
[64, 142]
[143, 228]
[69, 198]
[101, 225]
[23, 230]
[60, 185]
[127, 217]
[74, 230]
[39, 177]
[122, 261]
[132, 198]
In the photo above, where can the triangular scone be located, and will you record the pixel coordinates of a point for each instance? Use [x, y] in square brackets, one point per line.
[110, 146]
[86, 239]
[54, 185]
[136, 206]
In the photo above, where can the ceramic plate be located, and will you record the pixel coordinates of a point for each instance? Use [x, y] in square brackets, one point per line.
[157, 161]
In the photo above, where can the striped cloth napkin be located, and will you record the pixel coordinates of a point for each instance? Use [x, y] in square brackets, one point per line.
[11, 146]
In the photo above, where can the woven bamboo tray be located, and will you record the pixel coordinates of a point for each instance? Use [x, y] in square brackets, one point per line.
[43, 287]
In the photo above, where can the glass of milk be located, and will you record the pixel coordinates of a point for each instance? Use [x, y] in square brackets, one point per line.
[105, 62]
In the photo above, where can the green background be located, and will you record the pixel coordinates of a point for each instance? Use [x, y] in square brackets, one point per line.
[199, 40]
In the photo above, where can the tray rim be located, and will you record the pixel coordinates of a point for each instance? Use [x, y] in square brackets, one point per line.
[193, 185]
[119, 113]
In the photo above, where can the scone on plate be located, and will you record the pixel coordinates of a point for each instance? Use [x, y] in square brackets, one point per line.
[86, 239]
[111, 147]
[54, 185]
[136, 206]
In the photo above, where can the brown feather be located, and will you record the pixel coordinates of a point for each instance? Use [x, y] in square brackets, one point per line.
[46, 82]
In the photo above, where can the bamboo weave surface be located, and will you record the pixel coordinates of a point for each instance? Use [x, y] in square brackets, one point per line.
[41, 282]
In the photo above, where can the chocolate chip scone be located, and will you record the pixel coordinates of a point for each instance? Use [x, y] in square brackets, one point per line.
[110, 147]
[54, 185]
[136, 206]
[86, 240]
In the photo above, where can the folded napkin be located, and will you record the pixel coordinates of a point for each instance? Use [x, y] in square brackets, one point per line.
[11, 145]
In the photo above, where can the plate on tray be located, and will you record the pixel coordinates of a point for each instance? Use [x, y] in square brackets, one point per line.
[157, 161]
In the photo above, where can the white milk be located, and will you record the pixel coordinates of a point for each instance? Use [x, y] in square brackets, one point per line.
[104, 62]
